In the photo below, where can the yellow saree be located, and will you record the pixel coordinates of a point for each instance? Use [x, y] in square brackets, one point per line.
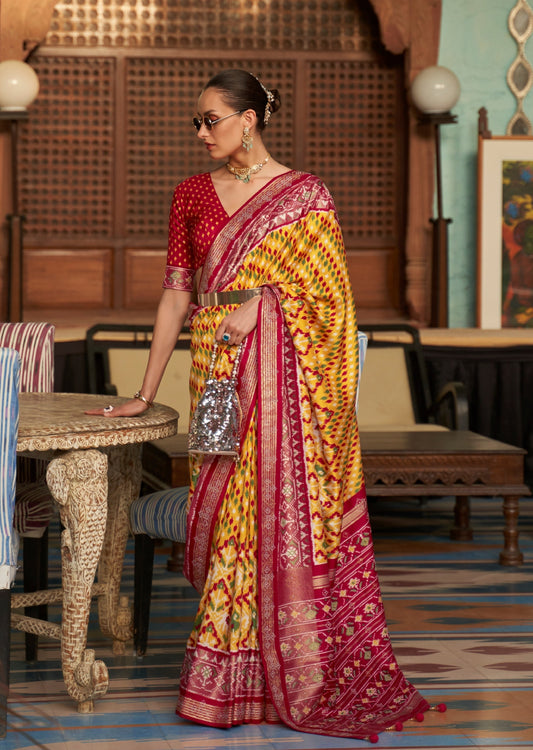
[290, 624]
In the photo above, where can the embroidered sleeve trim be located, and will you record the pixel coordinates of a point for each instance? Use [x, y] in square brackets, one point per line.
[179, 278]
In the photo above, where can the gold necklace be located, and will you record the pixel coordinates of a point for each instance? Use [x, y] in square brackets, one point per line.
[244, 173]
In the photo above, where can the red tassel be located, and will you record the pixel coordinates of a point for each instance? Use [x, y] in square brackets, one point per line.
[441, 708]
[397, 727]
[373, 738]
[419, 717]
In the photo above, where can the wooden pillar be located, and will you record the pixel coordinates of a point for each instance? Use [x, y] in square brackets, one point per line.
[23, 25]
[412, 27]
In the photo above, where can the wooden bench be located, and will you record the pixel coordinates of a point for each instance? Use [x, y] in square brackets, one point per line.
[449, 463]
[407, 463]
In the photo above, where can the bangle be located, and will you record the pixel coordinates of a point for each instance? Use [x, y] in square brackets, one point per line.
[139, 395]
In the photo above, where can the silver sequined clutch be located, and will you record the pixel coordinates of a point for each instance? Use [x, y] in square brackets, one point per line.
[216, 422]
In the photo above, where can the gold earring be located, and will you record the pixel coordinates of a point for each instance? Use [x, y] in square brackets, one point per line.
[247, 139]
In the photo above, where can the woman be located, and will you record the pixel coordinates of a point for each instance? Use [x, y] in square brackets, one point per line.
[290, 624]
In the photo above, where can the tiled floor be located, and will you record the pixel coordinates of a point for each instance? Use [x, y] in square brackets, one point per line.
[462, 627]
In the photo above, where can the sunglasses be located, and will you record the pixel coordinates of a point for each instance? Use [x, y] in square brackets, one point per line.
[208, 122]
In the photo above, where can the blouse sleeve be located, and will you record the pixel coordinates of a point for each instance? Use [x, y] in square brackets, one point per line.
[179, 273]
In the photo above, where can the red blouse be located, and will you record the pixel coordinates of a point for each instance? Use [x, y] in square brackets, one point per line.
[196, 217]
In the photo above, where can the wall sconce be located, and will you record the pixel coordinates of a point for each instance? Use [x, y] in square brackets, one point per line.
[19, 87]
[434, 92]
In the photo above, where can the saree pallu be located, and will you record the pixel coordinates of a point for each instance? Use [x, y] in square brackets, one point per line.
[291, 623]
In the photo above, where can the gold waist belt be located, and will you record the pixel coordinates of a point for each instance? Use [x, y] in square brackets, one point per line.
[234, 297]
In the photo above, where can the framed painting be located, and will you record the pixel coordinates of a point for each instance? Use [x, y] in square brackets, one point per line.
[505, 232]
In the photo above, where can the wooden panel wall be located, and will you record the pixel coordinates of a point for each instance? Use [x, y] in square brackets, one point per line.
[110, 136]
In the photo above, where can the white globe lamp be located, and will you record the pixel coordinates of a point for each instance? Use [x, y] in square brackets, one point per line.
[19, 85]
[435, 90]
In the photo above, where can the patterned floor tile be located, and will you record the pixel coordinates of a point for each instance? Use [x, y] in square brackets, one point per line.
[460, 623]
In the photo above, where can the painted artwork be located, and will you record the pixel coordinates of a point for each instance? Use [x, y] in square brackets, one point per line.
[517, 244]
[505, 232]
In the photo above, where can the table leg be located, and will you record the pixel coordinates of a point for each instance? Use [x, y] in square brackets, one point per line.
[78, 483]
[511, 554]
[124, 474]
[177, 557]
[462, 530]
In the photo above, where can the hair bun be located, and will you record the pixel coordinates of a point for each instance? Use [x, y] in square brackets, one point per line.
[275, 103]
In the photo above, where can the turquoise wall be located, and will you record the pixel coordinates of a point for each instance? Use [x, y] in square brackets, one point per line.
[477, 45]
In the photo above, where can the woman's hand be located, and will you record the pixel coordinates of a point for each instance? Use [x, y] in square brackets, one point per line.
[239, 323]
[131, 408]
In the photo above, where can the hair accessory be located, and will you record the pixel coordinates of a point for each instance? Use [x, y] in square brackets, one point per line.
[107, 409]
[139, 396]
[244, 173]
[216, 422]
[270, 99]
[226, 337]
[247, 139]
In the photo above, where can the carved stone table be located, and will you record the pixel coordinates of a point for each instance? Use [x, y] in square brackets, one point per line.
[94, 474]
[449, 462]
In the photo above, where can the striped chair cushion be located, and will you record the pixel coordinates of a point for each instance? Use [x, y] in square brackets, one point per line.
[35, 343]
[34, 509]
[161, 515]
[9, 416]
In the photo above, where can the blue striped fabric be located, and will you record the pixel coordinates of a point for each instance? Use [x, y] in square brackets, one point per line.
[9, 420]
[161, 515]
[35, 342]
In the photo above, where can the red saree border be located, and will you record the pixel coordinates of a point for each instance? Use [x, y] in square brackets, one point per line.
[209, 675]
[271, 414]
[283, 200]
[328, 660]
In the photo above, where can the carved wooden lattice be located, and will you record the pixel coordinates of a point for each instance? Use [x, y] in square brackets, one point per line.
[66, 154]
[110, 134]
[353, 128]
[162, 146]
[213, 24]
